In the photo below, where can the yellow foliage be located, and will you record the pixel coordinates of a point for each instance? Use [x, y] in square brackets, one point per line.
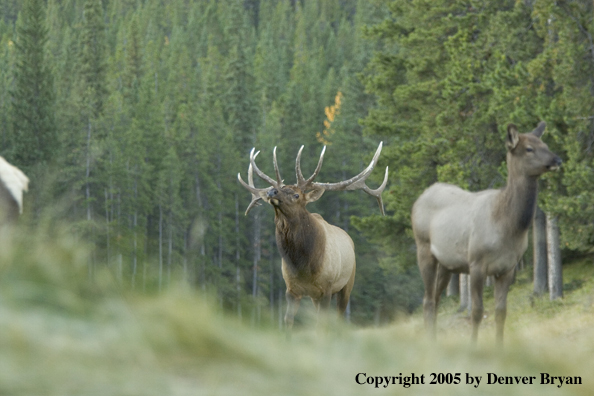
[331, 113]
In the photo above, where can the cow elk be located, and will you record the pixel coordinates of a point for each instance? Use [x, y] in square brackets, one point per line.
[12, 184]
[318, 259]
[482, 233]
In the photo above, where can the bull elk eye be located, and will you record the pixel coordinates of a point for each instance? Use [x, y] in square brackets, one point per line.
[529, 149]
[296, 196]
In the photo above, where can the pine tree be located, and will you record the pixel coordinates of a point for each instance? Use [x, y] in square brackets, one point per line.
[92, 90]
[33, 141]
[6, 80]
[92, 59]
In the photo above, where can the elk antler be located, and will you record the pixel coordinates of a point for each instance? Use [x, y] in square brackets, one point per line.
[259, 193]
[301, 182]
[354, 183]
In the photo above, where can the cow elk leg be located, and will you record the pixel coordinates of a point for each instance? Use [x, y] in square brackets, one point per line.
[477, 282]
[428, 266]
[502, 284]
[443, 278]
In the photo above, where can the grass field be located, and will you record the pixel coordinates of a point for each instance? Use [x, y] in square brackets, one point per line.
[61, 334]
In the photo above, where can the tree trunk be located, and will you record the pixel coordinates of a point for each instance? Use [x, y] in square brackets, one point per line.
[91, 263]
[134, 253]
[145, 254]
[539, 242]
[465, 301]
[185, 258]
[454, 285]
[220, 251]
[257, 254]
[554, 258]
[280, 309]
[170, 246]
[88, 172]
[237, 258]
[202, 264]
[272, 273]
[107, 225]
[160, 246]
[120, 268]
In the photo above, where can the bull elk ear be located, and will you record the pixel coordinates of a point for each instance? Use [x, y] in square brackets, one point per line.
[539, 131]
[512, 137]
[314, 195]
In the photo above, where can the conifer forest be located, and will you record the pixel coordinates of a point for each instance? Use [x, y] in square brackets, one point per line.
[132, 119]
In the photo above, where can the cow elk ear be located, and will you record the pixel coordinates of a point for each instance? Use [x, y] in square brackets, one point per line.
[512, 137]
[539, 131]
[314, 195]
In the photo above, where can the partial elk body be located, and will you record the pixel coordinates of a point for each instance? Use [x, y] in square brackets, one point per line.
[318, 259]
[482, 233]
[12, 184]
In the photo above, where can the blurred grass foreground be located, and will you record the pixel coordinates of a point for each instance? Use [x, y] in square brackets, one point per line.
[62, 333]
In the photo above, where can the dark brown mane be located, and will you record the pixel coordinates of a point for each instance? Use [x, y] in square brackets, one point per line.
[300, 241]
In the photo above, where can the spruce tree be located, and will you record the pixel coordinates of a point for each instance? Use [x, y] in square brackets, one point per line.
[34, 130]
[92, 86]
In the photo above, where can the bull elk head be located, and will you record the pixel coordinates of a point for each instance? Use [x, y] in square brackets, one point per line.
[306, 190]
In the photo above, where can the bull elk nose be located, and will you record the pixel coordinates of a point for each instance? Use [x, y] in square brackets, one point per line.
[272, 193]
[558, 161]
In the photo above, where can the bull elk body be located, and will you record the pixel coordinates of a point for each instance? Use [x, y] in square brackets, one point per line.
[482, 233]
[318, 259]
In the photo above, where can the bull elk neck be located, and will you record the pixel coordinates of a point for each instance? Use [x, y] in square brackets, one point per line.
[318, 259]
[482, 233]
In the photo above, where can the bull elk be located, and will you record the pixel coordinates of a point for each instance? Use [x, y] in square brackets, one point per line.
[481, 233]
[12, 184]
[318, 259]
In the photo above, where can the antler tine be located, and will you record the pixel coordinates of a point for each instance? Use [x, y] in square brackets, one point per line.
[377, 193]
[255, 197]
[278, 176]
[301, 182]
[358, 182]
[257, 193]
[262, 175]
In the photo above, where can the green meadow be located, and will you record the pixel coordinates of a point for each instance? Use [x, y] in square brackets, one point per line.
[64, 334]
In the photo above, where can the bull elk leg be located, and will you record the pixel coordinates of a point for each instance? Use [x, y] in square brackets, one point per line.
[428, 268]
[502, 284]
[342, 297]
[293, 302]
[477, 282]
[324, 302]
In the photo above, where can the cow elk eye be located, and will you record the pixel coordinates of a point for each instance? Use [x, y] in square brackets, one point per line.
[529, 149]
[296, 196]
